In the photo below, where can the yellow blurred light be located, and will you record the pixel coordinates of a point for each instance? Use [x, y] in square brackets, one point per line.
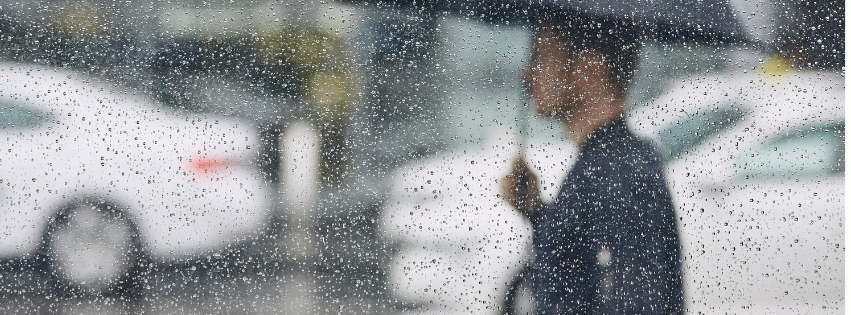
[81, 18]
[301, 45]
[331, 93]
[774, 67]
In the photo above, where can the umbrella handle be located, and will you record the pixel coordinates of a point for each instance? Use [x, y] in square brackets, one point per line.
[523, 126]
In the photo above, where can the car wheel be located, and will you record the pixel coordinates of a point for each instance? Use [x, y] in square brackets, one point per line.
[92, 248]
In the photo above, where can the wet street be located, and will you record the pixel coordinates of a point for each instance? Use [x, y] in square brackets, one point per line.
[187, 292]
[255, 279]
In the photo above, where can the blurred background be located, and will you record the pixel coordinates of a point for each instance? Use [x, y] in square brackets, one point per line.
[357, 151]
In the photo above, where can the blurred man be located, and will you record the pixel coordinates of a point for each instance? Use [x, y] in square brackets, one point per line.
[608, 244]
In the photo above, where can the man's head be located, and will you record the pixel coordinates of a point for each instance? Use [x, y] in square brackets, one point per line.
[576, 61]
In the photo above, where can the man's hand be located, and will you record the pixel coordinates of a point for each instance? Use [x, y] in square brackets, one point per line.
[520, 189]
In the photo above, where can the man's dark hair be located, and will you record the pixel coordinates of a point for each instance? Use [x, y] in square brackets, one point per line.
[617, 40]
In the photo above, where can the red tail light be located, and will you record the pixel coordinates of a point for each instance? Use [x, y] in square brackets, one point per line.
[209, 166]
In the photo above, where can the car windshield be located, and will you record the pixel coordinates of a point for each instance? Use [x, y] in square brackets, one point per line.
[435, 157]
[695, 128]
[815, 151]
[17, 115]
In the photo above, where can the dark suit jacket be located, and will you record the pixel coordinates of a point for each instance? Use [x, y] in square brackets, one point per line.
[609, 243]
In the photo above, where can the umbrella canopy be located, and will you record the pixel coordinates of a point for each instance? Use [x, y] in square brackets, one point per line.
[665, 20]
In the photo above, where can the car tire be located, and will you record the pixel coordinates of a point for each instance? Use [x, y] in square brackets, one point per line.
[92, 248]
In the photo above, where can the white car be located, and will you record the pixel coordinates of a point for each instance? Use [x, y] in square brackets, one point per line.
[756, 171]
[94, 179]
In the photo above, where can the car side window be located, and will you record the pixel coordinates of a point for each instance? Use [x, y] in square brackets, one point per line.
[691, 131]
[18, 115]
[816, 151]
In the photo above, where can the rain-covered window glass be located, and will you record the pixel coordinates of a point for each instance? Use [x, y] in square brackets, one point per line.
[422, 157]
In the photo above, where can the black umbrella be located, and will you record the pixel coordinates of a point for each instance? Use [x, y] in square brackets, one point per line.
[665, 20]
